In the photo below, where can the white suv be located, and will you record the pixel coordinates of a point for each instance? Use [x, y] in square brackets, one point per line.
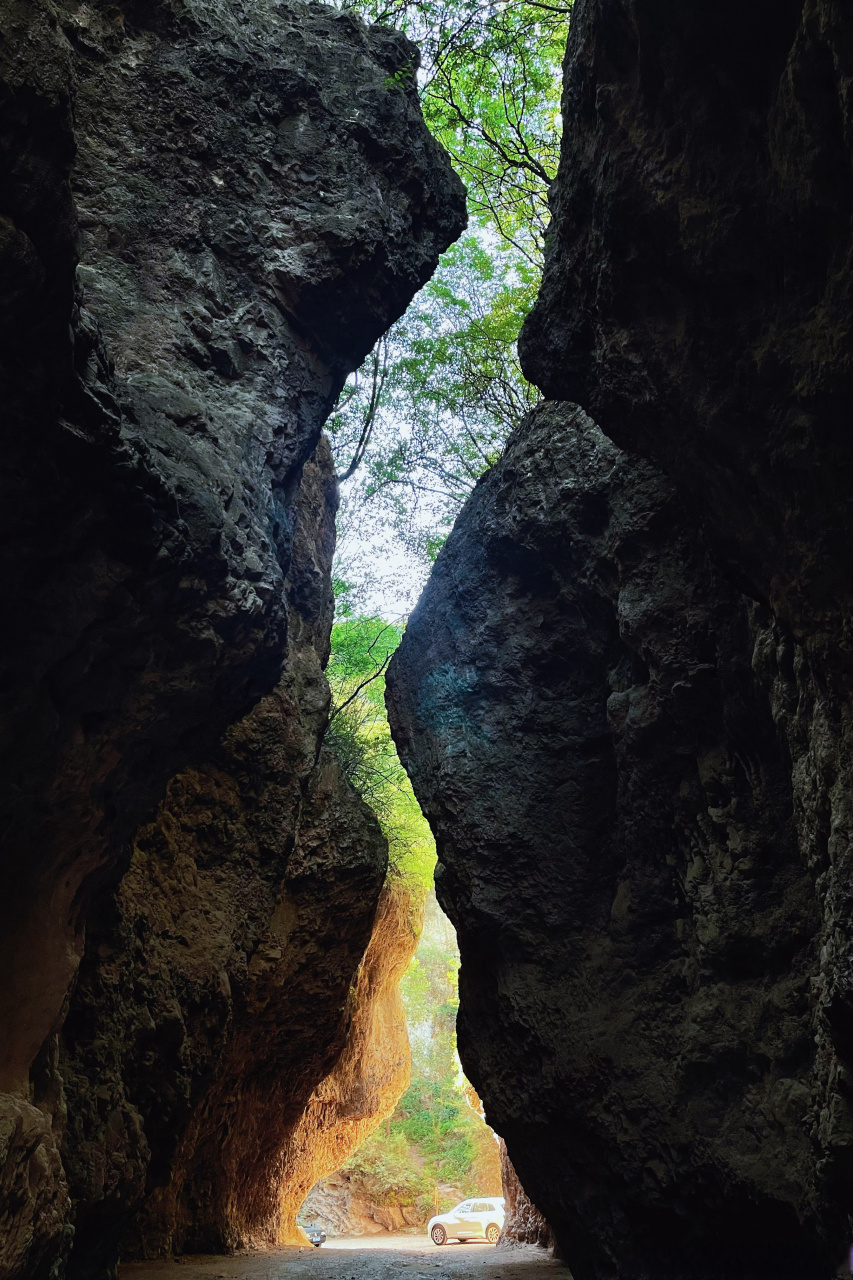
[470, 1220]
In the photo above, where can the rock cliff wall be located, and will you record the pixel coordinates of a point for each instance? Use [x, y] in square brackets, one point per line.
[343, 1207]
[624, 699]
[214, 991]
[208, 214]
[637, 927]
[696, 298]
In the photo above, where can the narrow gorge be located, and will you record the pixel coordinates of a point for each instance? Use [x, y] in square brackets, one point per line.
[624, 699]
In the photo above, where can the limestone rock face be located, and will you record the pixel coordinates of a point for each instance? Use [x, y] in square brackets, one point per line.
[585, 705]
[341, 1208]
[214, 991]
[208, 214]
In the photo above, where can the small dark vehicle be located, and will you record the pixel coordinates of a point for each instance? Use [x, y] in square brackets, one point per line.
[315, 1235]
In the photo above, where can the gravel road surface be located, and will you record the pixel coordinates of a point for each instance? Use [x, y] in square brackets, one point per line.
[397, 1258]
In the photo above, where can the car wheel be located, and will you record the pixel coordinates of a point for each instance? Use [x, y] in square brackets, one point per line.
[316, 1243]
[493, 1233]
[438, 1233]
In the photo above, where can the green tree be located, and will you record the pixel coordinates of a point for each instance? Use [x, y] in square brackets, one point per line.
[492, 99]
[431, 409]
[433, 405]
[490, 87]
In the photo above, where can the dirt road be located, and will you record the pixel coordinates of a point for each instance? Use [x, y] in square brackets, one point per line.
[399, 1258]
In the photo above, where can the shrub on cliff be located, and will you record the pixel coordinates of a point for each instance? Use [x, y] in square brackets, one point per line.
[359, 737]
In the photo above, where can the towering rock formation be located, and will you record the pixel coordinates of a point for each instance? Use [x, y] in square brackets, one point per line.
[625, 697]
[696, 293]
[208, 214]
[214, 991]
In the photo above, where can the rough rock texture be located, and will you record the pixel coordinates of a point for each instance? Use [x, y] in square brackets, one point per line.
[339, 1205]
[629, 713]
[613, 806]
[208, 214]
[372, 1073]
[523, 1223]
[214, 992]
[34, 1202]
[696, 298]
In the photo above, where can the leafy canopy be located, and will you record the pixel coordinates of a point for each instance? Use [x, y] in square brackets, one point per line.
[441, 393]
[433, 405]
[490, 88]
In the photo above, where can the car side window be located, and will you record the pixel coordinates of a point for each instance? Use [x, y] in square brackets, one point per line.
[480, 1207]
[465, 1207]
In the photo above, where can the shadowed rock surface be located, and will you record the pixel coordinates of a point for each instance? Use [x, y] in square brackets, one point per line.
[576, 702]
[696, 296]
[523, 1223]
[208, 214]
[625, 697]
[405, 1258]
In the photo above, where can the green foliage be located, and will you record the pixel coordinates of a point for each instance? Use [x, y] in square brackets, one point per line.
[433, 405]
[431, 1151]
[456, 388]
[400, 78]
[430, 992]
[384, 1167]
[493, 101]
[439, 396]
[427, 1157]
[358, 735]
[490, 90]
